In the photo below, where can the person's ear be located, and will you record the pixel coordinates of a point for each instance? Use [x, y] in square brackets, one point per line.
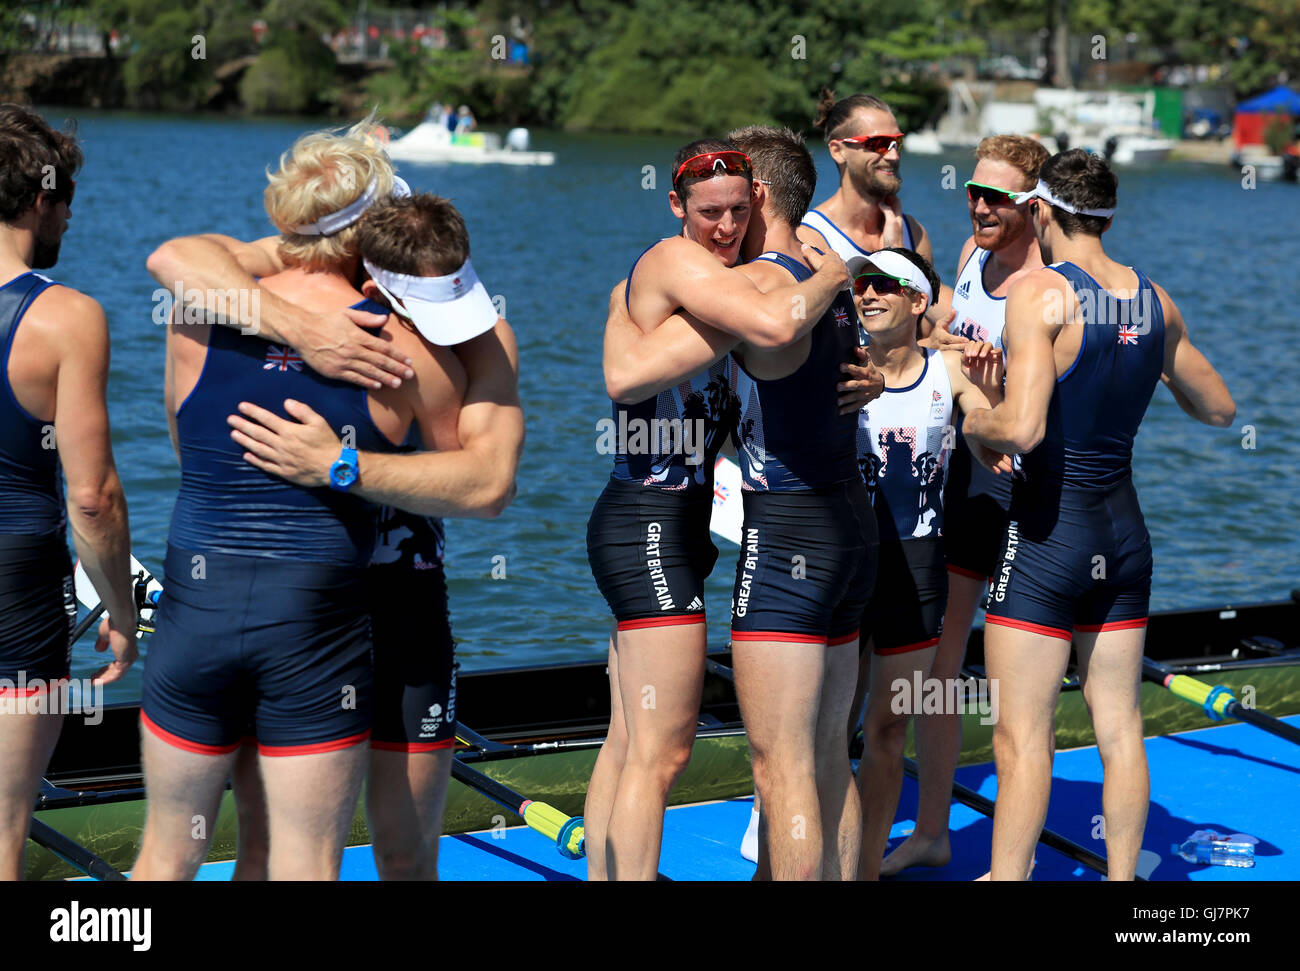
[676, 204]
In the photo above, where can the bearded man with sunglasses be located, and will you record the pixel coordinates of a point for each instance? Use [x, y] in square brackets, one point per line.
[1001, 250]
[648, 537]
[864, 214]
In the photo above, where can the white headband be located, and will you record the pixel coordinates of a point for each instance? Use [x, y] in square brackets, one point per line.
[1041, 191]
[336, 222]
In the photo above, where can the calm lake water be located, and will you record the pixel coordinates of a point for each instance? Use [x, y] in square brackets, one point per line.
[553, 241]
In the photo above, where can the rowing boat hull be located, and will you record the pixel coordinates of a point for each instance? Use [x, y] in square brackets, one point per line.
[505, 706]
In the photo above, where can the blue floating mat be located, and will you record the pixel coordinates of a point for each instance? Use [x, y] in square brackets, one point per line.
[1233, 778]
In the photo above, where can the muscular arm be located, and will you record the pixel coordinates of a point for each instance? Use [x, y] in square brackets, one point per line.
[639, 365]
[694, 280]
[214, 276]
[475, 481]
[96, 503]
[478, 480]
[1018, 424]
[1189, 376]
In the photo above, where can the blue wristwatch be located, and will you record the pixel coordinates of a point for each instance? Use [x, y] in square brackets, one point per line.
[344, 470]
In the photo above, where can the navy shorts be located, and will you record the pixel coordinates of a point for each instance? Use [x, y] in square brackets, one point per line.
[37, 613]
[975, 514]
[281, 645]
[807, 565]
[1081, 562]
[415, 659]
[650, 553]
[906, 610]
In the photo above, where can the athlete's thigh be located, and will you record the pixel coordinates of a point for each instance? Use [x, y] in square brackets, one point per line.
[779, 686]
[1110, 670]
[307, 794]
[408, 788]
[839, 679]
[1026, 669]
[183, 786]
[660, 679]
[27, 740]
[893, 693]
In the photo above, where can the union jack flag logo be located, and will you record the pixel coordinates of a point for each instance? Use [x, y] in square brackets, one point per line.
[841, 316]
[720, 493]
[281, 359]
[1127, 335]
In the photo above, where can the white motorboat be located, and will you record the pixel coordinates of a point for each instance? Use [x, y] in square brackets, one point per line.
[433, 143]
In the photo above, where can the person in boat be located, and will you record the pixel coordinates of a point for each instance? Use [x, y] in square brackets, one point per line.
[465, 120]
[904, 440]
[1076, 558]
[1001, 250]
[321, 246]
[864, 213]
[794, 640]
[648, 536]
[54, 350]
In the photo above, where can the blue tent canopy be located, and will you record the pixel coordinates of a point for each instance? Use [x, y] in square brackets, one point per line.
[1280, 99]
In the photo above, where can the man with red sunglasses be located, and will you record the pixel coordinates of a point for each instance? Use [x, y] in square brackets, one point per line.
[808, 559]
[648, 537]
[864, 214]
[1001, 249]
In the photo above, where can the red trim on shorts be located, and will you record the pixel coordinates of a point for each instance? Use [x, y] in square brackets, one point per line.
[313, 748]
[1064, 635]
[908, 648]
[29, 691]
[841, 639]
[1112, 625]
[412, 746]
[961, 571]
[776, 635]
[676, 620]
[175, 741]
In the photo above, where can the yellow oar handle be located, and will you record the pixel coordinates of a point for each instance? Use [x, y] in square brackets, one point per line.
[567, 831]
[1214, 700]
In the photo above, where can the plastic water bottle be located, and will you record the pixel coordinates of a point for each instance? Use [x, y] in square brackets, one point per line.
[1207, 846]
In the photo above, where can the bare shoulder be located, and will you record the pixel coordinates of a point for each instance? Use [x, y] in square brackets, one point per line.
[67, 318]
[765, 274]
[967, 248]
[806, 234]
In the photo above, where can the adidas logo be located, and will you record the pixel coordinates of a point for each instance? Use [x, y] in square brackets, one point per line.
[695, 604]
[964, 289]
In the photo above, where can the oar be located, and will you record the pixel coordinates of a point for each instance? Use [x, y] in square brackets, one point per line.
[566, 831]
[147, 591]
[1217, 701]
[72, 852]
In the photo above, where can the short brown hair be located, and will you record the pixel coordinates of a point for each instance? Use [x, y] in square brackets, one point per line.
[1019, 151]
[782, 160]
[34, 158]
[1085, 181]
[420, 235]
